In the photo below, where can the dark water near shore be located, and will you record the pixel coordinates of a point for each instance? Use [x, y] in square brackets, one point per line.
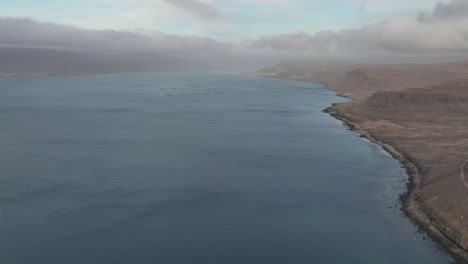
[193, 168]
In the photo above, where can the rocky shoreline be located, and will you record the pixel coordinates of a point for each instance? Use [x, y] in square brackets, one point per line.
[419, 114]
[409, 200]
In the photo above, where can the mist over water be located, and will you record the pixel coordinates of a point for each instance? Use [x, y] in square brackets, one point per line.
[191, 167]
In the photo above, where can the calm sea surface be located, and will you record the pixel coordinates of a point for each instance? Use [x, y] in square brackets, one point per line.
[196, 168]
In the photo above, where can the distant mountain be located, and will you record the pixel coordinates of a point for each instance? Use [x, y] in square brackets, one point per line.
[359, 81]
[34, 61]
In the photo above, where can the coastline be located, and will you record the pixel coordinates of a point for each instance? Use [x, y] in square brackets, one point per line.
[409, 200]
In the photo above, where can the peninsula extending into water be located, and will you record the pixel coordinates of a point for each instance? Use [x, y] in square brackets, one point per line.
[418, 113]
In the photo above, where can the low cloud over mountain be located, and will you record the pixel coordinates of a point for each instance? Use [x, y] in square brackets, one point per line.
[439, 33]
[24, 32]
[445, 29]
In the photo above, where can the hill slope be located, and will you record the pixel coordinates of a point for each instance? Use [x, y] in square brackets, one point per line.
[27, 61]
[359, 81]
[420, 114]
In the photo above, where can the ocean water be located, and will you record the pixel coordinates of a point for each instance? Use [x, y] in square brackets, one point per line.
[192, 167]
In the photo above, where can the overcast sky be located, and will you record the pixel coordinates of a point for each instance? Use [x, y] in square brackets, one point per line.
[280, 29]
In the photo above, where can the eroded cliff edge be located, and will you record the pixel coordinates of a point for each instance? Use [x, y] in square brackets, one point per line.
[424, 127]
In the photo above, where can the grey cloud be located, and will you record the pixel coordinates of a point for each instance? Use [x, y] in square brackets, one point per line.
[23, 32]
[195, 7]
[297, 41]
[455, 9]
[397, 36]
[443, 30]
[411, 35]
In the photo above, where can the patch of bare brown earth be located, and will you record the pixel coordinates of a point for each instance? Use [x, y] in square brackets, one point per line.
[426, 128]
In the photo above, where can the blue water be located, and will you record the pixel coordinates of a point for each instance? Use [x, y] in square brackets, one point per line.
[191, 167]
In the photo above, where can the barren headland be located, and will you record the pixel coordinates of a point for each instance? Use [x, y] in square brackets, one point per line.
[419, 113]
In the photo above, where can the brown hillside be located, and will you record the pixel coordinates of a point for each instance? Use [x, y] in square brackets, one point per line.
[430, 125]
[360, 81]
[427, 126]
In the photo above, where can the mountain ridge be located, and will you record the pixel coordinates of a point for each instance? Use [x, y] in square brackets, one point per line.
[16, 61]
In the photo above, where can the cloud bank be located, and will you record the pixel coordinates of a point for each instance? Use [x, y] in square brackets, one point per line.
[445, 29]
[23, 32]
[297, 41]
[442, 30]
